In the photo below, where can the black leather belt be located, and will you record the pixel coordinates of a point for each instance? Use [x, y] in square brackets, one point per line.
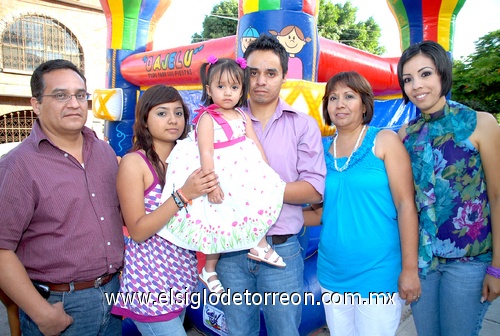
[280, 239]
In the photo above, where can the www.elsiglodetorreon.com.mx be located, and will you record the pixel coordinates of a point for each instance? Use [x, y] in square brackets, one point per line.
[196, 299]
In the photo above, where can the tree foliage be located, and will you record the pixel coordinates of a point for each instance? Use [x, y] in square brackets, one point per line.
[222, 21]
[335, 22]
[476, 80]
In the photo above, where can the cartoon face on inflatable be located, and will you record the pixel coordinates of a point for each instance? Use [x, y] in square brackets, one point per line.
[292, 39]
[249, 35]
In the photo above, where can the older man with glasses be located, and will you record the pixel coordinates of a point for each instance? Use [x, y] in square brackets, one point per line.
[61, 242]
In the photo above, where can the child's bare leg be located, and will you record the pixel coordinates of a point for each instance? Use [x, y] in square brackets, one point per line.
[211, 263]
[263, 242]
[208, 275]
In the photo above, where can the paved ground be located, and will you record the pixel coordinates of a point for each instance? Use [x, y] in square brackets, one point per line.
[4, 326]
[491, 324]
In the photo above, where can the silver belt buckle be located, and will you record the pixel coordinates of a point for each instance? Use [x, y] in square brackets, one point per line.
[98, 282]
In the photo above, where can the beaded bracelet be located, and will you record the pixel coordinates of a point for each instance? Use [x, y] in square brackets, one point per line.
[177, 201]
[493, 271]
[184, 198]
[184, 203]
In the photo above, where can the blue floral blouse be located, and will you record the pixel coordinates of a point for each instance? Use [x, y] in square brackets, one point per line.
[454, 213]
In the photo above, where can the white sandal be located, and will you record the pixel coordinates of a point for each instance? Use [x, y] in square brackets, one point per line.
[213, 286]
[274, 259]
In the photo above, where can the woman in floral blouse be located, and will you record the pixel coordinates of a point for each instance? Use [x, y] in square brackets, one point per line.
[455, 154]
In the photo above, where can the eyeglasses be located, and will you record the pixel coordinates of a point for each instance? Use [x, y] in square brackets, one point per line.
[64, 97]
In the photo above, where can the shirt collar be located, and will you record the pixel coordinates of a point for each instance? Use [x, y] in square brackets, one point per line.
[280, 108]
[38, 135]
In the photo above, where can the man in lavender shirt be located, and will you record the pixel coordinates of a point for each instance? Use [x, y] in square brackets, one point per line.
[61, 224]
[292, 143]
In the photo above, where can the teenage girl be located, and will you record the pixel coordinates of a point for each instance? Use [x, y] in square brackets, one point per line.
[153, 265]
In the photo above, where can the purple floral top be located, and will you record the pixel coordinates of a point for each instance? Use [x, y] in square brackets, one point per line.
[451, 198]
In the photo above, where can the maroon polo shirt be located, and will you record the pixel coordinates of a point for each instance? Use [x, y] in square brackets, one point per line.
[61, 218]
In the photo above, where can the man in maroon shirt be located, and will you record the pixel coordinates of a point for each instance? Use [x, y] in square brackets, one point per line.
[61, 228]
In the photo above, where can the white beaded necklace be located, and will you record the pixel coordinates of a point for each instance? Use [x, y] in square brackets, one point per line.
[346, 164]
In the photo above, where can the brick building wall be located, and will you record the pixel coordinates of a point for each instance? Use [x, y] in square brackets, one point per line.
[85, 19]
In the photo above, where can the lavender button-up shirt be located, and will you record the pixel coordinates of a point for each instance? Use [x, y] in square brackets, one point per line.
[292, 143]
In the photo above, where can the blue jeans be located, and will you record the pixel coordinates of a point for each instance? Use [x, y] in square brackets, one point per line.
[174, 327]
[89, 310]
[450, 301]
[238, 273]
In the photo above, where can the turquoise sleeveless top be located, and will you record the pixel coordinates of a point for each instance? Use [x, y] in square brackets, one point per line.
[359, 249]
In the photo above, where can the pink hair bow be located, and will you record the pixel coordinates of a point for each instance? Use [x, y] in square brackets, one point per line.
[242, 62]
[212, 59]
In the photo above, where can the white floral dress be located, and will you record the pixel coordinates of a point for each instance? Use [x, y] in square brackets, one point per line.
[253, 192]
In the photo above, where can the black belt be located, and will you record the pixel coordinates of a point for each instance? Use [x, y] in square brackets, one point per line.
[280, 239]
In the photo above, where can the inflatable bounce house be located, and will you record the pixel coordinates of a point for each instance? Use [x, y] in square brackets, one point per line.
[133, 66]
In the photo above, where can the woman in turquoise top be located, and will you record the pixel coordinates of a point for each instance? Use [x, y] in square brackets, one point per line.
[369, 238]
[455, 154]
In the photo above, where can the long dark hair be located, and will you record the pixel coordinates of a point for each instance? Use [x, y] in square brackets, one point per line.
[154, 96]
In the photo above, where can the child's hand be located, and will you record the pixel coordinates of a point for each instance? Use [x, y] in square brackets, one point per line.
[199, 183]
[216, 196]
